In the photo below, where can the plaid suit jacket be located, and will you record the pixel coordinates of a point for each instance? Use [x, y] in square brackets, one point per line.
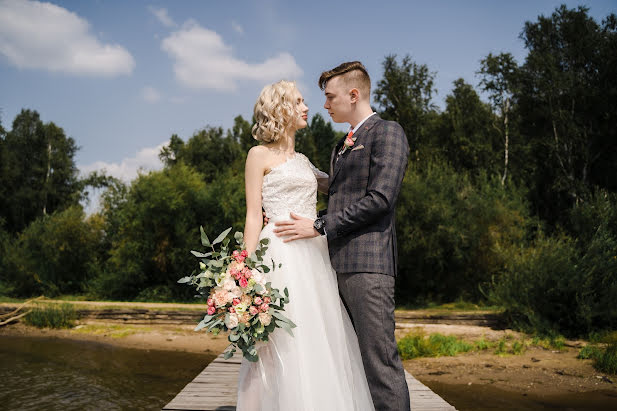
[364, 185]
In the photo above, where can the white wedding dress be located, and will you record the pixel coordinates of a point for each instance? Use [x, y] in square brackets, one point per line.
[320, 367]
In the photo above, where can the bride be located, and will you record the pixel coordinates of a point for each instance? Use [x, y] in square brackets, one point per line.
[320, 367]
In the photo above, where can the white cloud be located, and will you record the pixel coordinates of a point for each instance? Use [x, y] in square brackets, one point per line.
[151, 95]
[147, 159]
[39, 35]
[237, 27]
[162, 16]
[204, 61]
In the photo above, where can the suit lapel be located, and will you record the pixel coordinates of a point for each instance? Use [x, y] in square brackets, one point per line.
[360, 134]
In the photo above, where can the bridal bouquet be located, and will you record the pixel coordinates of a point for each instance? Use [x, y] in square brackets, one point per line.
[239, 298]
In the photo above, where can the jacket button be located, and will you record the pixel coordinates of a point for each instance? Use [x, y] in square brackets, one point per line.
[332, 192]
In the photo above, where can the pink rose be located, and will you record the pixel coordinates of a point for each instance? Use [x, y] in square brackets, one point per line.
[232, 310]
[243, 282]
[264, 307]
[246, 299]
[211, 310]
[349, 142]
[210, 302]
[236, 301]
[267, 300]
[220, 298]
[253, 310]
[258, 301]
[235, 253]
[265, 319]
[244, 253]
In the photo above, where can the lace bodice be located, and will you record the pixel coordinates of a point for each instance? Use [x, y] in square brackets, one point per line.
[291, 187]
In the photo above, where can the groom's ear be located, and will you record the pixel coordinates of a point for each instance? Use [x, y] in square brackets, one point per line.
[355, 95]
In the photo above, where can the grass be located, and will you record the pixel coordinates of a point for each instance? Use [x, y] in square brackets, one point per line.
[51, 316]
[603, 352]
[416, 344]
[4, 299]
[459, 305]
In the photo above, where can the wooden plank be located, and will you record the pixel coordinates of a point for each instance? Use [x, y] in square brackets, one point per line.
[215, 388]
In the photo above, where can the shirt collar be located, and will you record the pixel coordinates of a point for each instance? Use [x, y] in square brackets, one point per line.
[357, 127]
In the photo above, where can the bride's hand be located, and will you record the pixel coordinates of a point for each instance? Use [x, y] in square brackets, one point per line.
[295, 229]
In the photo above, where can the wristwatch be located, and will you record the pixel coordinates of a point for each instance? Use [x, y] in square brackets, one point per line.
[320, 225]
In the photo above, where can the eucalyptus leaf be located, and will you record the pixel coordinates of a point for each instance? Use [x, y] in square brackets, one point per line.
[202, 324]
[185, 280]
[239, 237]
[234, 337]
[221, 236]
[204, 238]
[200, 255]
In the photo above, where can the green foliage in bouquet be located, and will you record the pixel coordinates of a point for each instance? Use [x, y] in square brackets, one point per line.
[239, 298]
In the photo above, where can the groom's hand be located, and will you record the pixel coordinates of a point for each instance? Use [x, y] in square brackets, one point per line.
[295, 229]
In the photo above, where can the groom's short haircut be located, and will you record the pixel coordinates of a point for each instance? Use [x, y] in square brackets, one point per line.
[354, 74]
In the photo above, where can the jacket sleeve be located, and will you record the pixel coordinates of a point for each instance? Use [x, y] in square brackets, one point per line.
[389, 154]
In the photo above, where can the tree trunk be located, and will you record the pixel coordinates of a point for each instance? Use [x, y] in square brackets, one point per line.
[47, 176]
[507, 138]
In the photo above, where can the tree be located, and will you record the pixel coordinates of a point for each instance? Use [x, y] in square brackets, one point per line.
[467, 139]
[241, 133]
[567, 97]
[151, 228]
[404, 95]
[498, 78]
[208, 151]
[37, 171]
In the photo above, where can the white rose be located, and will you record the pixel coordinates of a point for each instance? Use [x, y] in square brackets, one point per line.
[229, 284]
[231, 321]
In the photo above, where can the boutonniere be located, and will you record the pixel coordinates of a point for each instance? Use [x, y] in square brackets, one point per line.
[349, 142]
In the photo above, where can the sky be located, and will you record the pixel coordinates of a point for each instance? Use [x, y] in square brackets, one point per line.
[121, 77]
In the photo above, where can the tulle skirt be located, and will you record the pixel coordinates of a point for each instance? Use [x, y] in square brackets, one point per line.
[320, 367]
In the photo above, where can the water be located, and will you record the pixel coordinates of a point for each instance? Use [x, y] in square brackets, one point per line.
[57, 374]
[479, 397]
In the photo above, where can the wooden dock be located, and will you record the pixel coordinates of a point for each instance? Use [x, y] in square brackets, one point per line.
[215, 389]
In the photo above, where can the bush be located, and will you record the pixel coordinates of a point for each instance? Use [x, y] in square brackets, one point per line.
[55, 254]
[52, 316]
[564, 284]
[153, 227]
[452, 232]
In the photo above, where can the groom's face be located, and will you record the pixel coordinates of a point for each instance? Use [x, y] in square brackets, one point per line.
[338, 100]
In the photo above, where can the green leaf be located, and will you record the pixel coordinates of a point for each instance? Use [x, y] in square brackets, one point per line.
[202, 324]
[225, 242]
[265, 268]
[283, 318]
[204, 238]
[229, 353]
[234, 337]
[239, 237]
[221, 236]
[284, 326]
[200, 255]
[264, 241]
[184, 280]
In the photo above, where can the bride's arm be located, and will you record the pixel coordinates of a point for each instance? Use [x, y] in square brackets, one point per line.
[253, 179]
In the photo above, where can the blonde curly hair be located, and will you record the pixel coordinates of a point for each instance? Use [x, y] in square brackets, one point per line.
[275, 111]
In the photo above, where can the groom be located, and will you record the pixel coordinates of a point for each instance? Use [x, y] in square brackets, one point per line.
[366, 172]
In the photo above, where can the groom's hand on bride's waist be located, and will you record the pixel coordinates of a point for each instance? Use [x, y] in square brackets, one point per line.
[295, 229]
